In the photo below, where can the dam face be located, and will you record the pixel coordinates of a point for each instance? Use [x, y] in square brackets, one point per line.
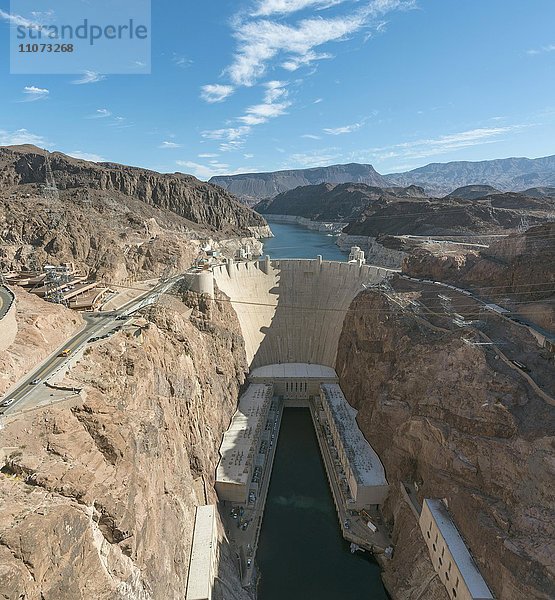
[292, 311]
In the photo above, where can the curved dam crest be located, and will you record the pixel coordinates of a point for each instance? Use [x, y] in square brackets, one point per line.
[292, 311]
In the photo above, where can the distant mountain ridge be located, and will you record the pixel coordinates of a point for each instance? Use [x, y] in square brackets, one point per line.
[437, 179]
[253, 187]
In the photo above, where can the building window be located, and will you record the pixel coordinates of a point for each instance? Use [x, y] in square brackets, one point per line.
[440, 561]
[457, 584]
[450, 565]
[454, 593]
[428, 534]
[434, 547]
[447, 575]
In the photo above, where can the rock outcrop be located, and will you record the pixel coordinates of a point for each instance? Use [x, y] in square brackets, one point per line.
[464, 426]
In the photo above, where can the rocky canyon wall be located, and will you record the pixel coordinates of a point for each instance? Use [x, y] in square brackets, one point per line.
[463, 426]
[98, 496]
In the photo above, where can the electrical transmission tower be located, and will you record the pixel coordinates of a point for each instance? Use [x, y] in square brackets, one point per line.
[49, 190]
[56, 280]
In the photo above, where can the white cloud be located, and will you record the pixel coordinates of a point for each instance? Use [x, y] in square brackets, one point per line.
[216, 93]
[33, 93]
[87, 156]
[169, 145]
[318, 100]
[89, 77]
[263, 40]
[344, 129]
[248, 156]
[265, 8]
[19, 137]
[208, 155]
[542, 50]
[310, 136]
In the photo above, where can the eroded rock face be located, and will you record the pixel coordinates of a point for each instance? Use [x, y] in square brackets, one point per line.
[98, 500]
[465, 427]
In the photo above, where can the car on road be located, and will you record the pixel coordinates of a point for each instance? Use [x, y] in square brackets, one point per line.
[65, 352]
[35, 381]
[7, 402]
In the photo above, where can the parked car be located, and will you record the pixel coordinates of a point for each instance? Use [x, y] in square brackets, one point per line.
[8, 402]
[35, 381]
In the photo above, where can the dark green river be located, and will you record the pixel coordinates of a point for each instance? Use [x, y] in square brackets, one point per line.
[302, 554]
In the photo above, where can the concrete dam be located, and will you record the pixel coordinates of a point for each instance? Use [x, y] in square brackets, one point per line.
[291, 314]
[292, 311]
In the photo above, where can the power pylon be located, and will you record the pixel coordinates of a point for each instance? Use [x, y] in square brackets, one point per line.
[49, 190]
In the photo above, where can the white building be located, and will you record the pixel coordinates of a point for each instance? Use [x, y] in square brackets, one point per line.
[357, 255]
[360, 463]
[204, 555]
[450, 556]
[241, 442]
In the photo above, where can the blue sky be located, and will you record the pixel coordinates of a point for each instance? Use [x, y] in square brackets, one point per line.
[273, 84]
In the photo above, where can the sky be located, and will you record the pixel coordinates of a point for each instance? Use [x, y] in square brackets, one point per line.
[263, 85]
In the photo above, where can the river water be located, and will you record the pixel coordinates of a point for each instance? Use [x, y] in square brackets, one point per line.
[302, 554]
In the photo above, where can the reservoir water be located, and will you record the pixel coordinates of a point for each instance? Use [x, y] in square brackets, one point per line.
[296, 241]
[302, 554]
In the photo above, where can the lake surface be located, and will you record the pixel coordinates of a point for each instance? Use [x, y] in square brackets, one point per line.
[302, 554]
[295, 241]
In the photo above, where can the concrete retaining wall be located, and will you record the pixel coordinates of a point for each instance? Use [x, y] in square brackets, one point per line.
[8, 321]
[294, 312]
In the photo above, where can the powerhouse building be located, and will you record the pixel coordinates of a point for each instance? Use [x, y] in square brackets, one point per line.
[450, 556]
[360, 463]
[240, 444]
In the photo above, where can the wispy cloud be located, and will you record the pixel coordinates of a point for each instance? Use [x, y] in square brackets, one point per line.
[426, 147]
[343, 130]
[89, 77]
[18, 20]
[33, 93]
[265, 8]
[169, 145]
[310, 136]
[269, 109]
[215, 92]
[319, 158]
[542, 50]
[87, 156]
[208, 155]
[101, 113]
[230, 138]
[204, 171]
[181, 61]
[19, 137]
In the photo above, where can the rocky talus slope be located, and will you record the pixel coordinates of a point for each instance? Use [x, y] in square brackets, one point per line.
[465, 427]
[97, 499]
[113, 221]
